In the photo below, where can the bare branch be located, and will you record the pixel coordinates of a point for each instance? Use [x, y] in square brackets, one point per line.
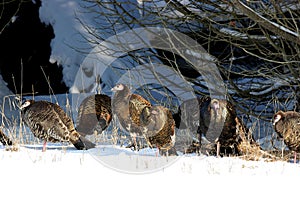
[264, 22]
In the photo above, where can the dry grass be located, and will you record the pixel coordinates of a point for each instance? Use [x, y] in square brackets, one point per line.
[248, 148]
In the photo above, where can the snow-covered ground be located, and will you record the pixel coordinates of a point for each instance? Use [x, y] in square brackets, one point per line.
[71, 174]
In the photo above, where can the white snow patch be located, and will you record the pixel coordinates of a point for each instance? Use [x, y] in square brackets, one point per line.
[72, 174]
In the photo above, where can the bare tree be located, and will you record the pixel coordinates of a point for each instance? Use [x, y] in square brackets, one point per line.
[256, 44]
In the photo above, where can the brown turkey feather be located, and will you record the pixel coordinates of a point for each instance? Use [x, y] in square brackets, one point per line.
[287, 126]
[188, 115]
[4, 139]
[159, 128]
[217, 123]
[128, 107]
[216, 120]
[229, 130]
[136, 104]
[49, 122]
[94, 114]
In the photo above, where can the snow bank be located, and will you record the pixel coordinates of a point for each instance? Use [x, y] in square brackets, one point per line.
[61, 14]
[73, 174]
[72, 25]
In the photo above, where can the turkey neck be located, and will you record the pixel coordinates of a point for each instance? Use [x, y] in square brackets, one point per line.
[120, 106]
[121, 98]
[145, 115]
[123, 95]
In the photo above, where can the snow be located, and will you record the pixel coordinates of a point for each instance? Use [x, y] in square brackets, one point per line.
[111, 170]
[70, 45]
[243, 35]
[61, 15]
[70, 174]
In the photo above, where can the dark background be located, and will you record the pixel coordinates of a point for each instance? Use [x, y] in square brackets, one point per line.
[25, 50]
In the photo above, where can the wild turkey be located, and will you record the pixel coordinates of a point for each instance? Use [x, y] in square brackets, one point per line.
[217, 123]
[220, 124]
[201, 113]
[49, 122]
[188, 114]
[159, 128]
[287, 126]
[94, 114]
[128, 107]
[188, 117]
[218, 128]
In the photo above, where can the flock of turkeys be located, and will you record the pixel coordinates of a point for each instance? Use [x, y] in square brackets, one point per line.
[137, 116]
[213, 121]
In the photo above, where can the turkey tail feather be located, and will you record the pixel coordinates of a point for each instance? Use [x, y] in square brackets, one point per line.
[4, 139]
[83, 144]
